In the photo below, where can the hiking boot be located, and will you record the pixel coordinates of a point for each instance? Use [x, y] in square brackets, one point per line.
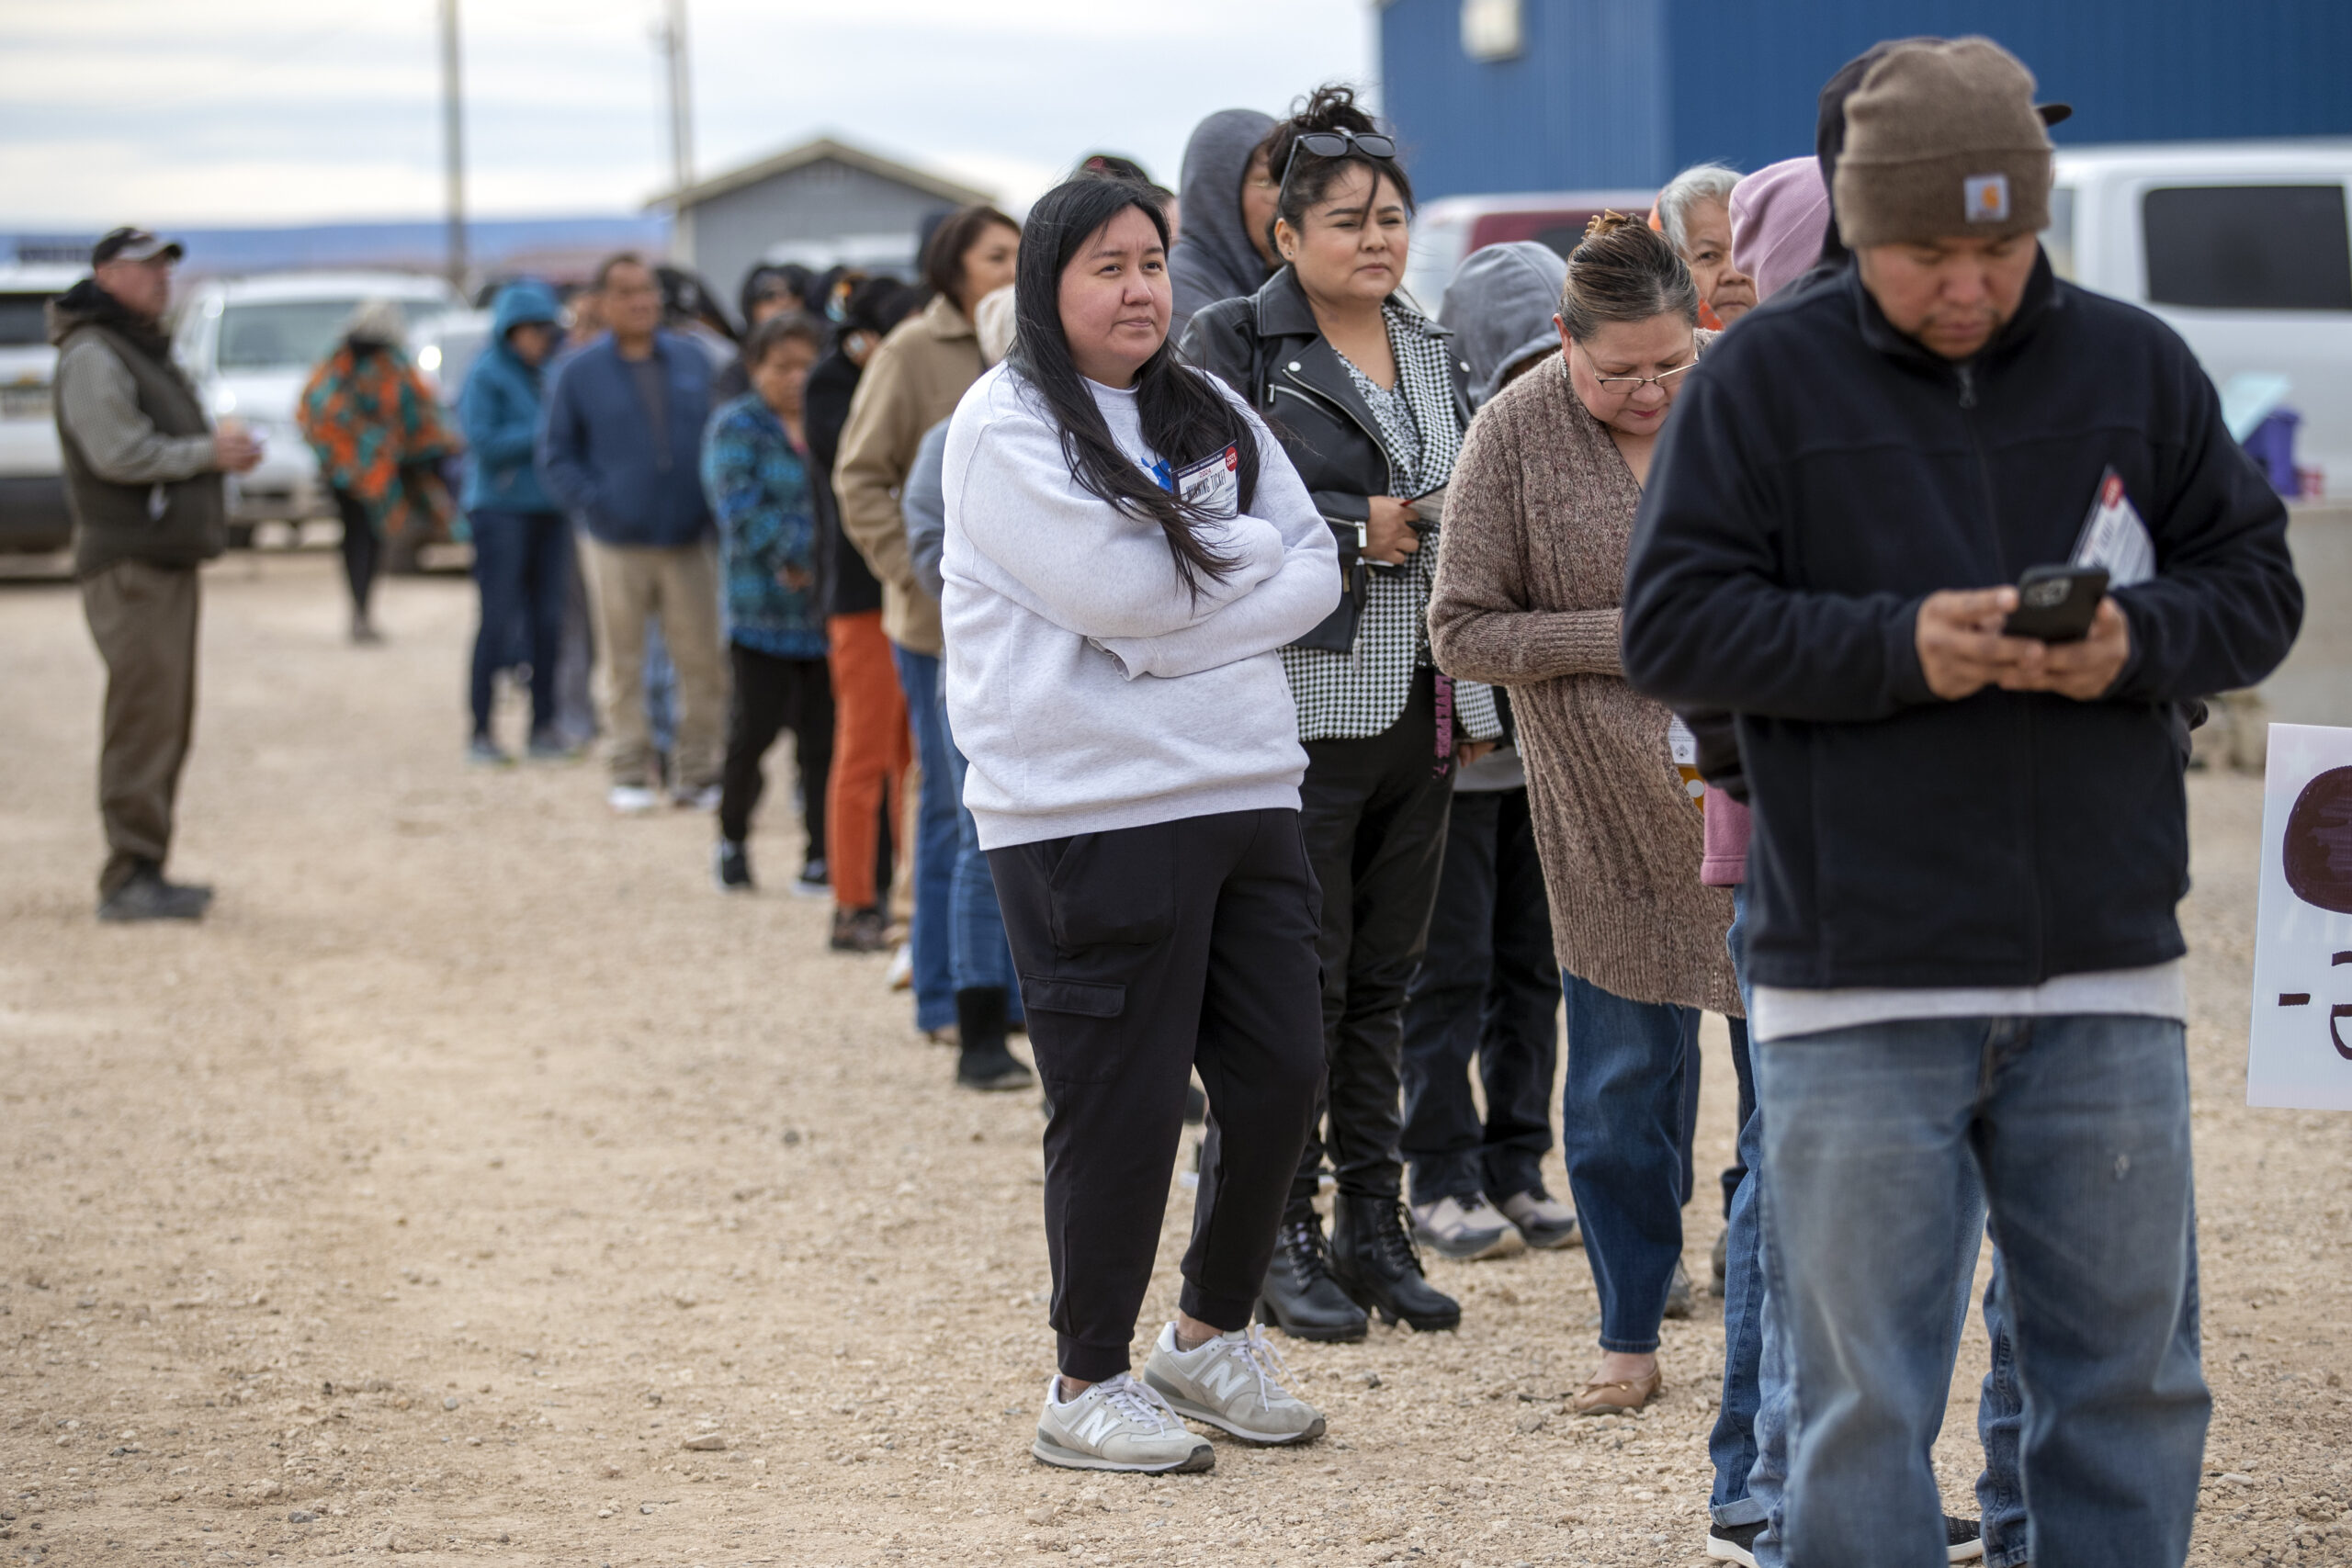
[1235, 1383]
[481, 752]
[147, 896]
[1542, 1219]
[1375, 1262]
[1300, 1297]
[859, 931]
[1734, 1544]
[1118, 1424]
[1464, 1227]
[1678, 1292]
[730, 867]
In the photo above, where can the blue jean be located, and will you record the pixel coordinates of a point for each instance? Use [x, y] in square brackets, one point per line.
[523, 567]
[933, 934]
[1620, 1134]
[2078, 1129]
[977, 952]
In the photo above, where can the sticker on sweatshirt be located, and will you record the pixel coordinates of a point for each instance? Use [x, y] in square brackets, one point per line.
[2114, 537]
[1212, 484]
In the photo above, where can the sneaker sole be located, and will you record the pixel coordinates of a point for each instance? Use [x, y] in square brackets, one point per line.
[1206, 1416]
[1551, 1241]
[1047, 1452]
[1503, 1243]
[1722, 1550]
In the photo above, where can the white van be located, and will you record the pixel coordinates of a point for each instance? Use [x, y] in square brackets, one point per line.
[250, 345]
[2245, 248]
[32, 475]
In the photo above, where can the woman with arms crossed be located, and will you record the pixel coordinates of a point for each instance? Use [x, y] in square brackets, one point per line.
[1126, 550]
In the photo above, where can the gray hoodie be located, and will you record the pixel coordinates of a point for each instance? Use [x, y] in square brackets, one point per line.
[1214, 259]
[1500, 307]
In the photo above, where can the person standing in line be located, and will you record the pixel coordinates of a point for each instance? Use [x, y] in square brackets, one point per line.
[912, 383]
[142, 481]
[521, 543]
[1969, 842]
[1228, 248]
[756, 470]
[575, 696]
[768, 292]
[1528, 595]
[624, 426]
[1694, 214]
[1372, 399]
[375, 429]
[1126, 550]
[1487, 986]
[872, 745]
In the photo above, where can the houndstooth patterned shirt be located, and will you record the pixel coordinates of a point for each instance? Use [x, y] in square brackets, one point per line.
[1348, 696]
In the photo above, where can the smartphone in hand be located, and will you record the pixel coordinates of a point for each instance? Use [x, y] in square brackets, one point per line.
[2056, 604]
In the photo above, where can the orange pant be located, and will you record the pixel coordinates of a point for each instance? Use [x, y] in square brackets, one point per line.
[871, 751]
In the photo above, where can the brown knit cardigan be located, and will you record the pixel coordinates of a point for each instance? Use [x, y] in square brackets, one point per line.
[1529, 587]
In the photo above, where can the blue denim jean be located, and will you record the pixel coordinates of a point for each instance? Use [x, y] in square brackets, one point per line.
[978, 954]
[523, 568]
[933, 934]
[2078, 1129]
[1620, 1134]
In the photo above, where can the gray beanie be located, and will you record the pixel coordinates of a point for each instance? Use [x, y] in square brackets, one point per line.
[1942, 140]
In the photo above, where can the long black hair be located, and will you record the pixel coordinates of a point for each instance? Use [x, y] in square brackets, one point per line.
[1184, 417]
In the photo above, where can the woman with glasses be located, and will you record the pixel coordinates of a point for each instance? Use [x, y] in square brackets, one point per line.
[1371, 399]
[1528, 597]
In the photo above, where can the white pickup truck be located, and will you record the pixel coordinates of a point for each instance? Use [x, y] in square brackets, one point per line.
[32, 476]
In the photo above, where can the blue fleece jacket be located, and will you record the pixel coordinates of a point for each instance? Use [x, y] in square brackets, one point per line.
[598, 455]
[499, 409]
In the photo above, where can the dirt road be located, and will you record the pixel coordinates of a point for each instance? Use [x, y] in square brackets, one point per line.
[477, 1184]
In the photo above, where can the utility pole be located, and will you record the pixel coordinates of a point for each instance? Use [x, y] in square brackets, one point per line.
[453, 143]
[682, 97]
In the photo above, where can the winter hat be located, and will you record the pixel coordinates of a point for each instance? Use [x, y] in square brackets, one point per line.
[377, 322]
[1942, 140]
[1778, 216]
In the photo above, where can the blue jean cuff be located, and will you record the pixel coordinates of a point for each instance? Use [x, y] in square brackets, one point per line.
[1748, 1511]
[2016, 1557]
[1628, 1346]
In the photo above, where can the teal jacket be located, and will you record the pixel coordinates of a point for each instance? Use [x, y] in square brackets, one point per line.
[499, 409]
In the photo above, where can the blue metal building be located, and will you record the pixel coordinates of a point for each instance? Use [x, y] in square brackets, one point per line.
[1560, 94]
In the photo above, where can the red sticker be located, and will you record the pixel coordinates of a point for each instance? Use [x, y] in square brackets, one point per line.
[1232, 458]
[2114, 489]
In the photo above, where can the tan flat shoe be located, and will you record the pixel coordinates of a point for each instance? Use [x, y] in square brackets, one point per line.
[1620, 1398]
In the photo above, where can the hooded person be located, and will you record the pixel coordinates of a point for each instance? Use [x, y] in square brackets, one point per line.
[1220, 255]
[1779, 217]
[1499, 308]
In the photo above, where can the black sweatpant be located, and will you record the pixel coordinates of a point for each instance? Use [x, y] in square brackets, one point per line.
[1146, 953]
[772, 695]
[361, 549]
[1374, 811]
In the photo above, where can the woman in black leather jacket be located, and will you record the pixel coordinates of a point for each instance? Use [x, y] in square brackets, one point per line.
[1370, 401]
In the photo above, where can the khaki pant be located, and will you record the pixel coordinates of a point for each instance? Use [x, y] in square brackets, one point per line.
[628, 585]
[144, 619]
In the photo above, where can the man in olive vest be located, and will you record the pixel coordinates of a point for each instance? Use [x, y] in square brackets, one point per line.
[143, 479]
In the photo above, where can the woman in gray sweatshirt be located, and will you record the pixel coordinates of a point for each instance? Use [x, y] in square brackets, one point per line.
[1126, 550]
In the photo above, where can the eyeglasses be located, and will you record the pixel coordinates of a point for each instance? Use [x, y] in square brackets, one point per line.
[1336, 144]
[1625, 386]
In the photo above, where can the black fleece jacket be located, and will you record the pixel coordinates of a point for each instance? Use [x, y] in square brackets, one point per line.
[1823, 474]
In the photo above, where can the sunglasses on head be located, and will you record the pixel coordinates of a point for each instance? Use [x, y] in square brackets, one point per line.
[1336, 144]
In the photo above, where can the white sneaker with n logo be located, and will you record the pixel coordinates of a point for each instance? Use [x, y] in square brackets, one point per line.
[1116, 1425]
[1234, 1383]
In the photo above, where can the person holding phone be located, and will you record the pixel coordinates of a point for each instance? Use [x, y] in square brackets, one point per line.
[1126, 550]
[1372, 398]
[1968, 844]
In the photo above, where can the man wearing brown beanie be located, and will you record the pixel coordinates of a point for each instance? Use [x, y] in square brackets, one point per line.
[1969, 841]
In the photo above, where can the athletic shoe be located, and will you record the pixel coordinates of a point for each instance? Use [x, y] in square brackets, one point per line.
[1118, 1424]
[147, 896]
[1542, 1219]
[1461, 1228]
[992, 1071]
[631, 800]
[1963, 1541]
[901, 976]
[481, 752]
[700, 798]
[815, 880]
[730, 867]
[1678, 1292]
[1734, 1544]
[1235, 1383]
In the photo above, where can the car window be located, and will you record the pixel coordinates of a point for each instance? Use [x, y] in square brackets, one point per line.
[2248, 247]
[290, 334]
[20, 320]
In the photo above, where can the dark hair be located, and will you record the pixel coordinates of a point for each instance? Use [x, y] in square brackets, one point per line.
[1184, 417]
[1329, 107]
[1118, 167]
[942, 254]
[1623, 271]
[877, 305]
[793, 326]
[614, 263]
[767, 280]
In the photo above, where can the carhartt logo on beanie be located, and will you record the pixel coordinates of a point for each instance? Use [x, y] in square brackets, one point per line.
[1942, 140]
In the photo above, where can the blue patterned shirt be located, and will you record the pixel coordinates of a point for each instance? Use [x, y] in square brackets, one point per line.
[758, 488]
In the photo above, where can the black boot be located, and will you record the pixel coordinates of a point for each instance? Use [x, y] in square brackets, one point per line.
[1301, 1298]
[983, 1063]
[1374, 1261]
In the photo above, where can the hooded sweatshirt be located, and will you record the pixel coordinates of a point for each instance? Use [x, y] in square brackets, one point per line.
[1499, 308]
[1779, 215]
[1213, 258]
[499, 410]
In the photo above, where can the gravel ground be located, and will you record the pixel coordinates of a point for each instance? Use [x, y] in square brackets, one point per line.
[477, 1184]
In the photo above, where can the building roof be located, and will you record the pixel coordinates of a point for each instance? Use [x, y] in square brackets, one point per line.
[823, 149]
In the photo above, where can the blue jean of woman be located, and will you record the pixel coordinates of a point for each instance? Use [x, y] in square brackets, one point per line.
[979, 954]
[931, 934]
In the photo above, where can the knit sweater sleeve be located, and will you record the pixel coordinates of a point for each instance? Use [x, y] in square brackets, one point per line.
[1481, 623]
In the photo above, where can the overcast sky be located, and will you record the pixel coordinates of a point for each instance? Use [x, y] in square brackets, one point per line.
[262, 111]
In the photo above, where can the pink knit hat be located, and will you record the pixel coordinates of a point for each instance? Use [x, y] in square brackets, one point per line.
[1779, 217]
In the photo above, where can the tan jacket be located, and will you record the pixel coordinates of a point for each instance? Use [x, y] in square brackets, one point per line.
[917, 376]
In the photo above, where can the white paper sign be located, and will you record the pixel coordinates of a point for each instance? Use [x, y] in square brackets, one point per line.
[2299, 1050]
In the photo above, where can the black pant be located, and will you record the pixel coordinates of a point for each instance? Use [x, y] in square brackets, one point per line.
[1374, 811]
[361, 549]
[1146, 953]
[1488, 987]
[772, 695]
[523, 568]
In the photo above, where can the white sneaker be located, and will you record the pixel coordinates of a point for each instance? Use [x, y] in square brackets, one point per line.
[1117, 1425]
[1235, 1383]
[1455, 1228]
[901, 976]
[631, 800]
